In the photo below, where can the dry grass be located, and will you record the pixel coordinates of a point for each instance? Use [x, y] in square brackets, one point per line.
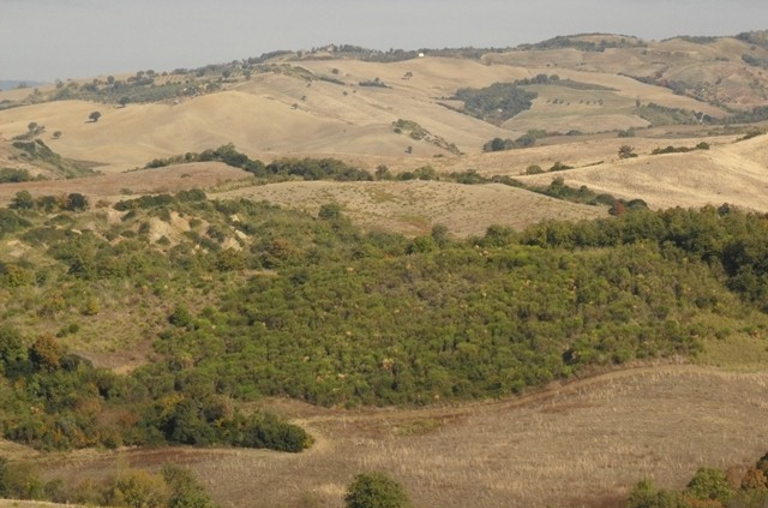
[730, 173]
[122, 185]
[675, 60]
[582, 444]
[275, 115]
[413, 207]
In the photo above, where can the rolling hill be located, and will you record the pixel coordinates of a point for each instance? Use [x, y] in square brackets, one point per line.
[324, 240]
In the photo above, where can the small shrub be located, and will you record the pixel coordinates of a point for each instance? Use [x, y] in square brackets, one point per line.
[375, 490]
[533, 169]
[710, 483]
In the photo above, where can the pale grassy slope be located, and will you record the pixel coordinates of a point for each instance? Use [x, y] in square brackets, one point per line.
[9, 158]
[441, 77]
[735, 174]
[413, 207]
[574, 153]
[131, 136]
[260, 122]
[372, 107]
[149, 181]
[273, 115]
[717, 62]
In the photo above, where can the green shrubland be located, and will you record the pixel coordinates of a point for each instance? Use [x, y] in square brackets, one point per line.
[258, 301]
[709, 487]
[173, 487]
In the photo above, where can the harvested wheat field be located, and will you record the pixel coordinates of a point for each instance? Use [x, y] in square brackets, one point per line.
[413, 207]
[147, 181]
[582, 444]
[734, 173]
[597, 152]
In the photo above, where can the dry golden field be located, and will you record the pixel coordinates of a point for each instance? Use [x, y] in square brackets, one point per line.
[414, 207]
[584, 443]
[122, 185]
[733, 173]
[580, 444]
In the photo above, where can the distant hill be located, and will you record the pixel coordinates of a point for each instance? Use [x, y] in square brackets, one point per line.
[571, 101]
[10, 84]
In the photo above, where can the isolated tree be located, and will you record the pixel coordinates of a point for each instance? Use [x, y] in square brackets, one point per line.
[12, 350]
[186, 492]
[330, 211]
[76, 202]
[32, 126]
[533, 169]
[710, 483]
[94, 117]
[138, 488]
[45, 353]
[439, 234]
[754, 479]
[617, 208]
[626, 152]
[497, 145]
[57, 134]
[123, 101]
[382, 173]
[22, 200]
[375, 490]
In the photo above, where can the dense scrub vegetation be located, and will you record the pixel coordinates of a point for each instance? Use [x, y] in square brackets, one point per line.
[173, 487]
[37, 152]
[336, 170]
[679, 149]
[11, 175]
[278, 170]
[663, 115]
[723, 237]
[554, 79]
[315, 309]
[711, 488]
[756, 37]
[527, 140]
[496, 103]
[419, 133]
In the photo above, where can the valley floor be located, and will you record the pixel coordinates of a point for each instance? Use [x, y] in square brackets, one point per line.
[585, 443]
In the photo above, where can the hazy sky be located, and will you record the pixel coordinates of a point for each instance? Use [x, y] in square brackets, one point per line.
[48, 39]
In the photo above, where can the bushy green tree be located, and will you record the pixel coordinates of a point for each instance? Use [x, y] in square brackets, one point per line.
[186, 492]
[329, 211]
[626, 152]
[22, 200]
[709, 483]
[645, 495]
[76, 202]
[375, 490]
[138, 489]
